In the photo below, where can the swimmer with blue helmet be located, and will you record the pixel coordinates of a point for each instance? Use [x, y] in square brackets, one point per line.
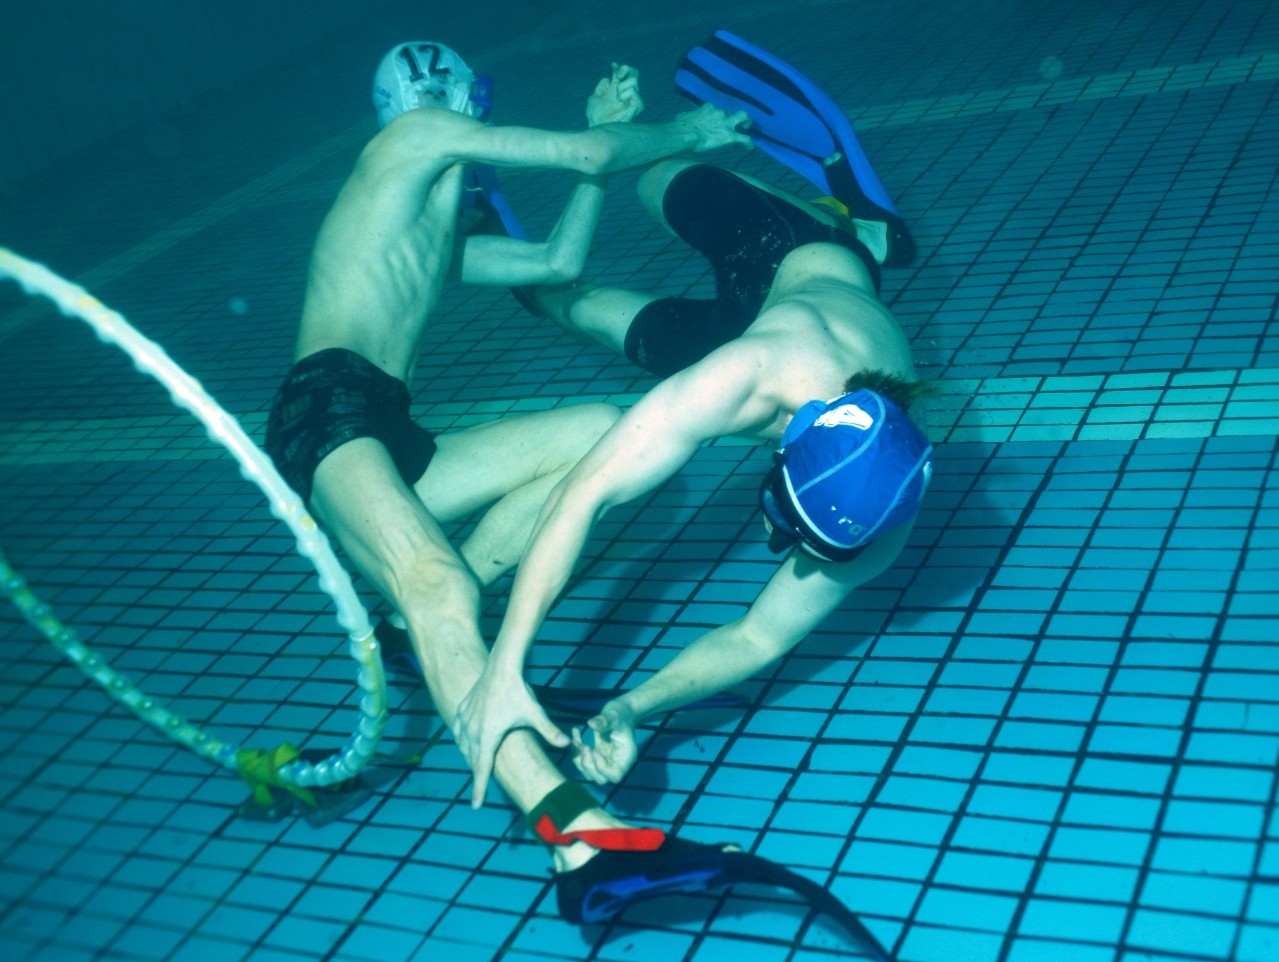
[796, 349]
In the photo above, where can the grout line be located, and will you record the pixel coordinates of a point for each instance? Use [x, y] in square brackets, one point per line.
[1116, 407]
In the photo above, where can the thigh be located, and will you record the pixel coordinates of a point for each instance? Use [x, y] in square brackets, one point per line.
[653, 184]
[478, 465]
[383, 525]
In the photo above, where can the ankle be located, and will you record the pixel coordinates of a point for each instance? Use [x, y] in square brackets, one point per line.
[566, 858]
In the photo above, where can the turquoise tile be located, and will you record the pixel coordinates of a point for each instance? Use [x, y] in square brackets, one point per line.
[877, 897]
[1111, 810]
[944, 763]
[1125, 739]
[929, 944]
[1068, 920]
[1181, 933]
[1207, 856]
[1106, 846]
[1078, 881]
[1043, 770]
[1197, 893]
[898, 825]
[1257, 943]
[1042, 950]
[1000, 835]
[1141, 709]
[966, 909]
[994, 872]
[1046, 736]
[1222, 819]
[1263, 903]
[894, 860]
[922, 793]
[808, 816]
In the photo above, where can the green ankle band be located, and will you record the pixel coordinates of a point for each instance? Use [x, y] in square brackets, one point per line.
[562, 805]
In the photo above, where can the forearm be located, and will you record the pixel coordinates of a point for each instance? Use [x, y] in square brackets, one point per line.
[569, 243]
[553, 549]
[620, 146]
[718, 660]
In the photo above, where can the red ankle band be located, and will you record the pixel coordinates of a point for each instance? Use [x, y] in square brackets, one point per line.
[570, 800]
[610, 839]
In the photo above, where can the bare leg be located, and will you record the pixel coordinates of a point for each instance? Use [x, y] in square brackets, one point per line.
[599, 314]
[604, 314]
[512, 464]
[395, 542]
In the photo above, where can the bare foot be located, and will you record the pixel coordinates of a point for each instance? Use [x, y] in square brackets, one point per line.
[569, 857]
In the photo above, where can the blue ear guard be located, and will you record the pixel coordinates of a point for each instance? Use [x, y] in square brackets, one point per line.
[482, 97]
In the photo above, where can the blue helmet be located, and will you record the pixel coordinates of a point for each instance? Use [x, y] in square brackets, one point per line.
[848, 471]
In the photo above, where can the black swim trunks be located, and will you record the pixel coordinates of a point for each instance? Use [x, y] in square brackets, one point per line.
[744, 232]
[335, 396]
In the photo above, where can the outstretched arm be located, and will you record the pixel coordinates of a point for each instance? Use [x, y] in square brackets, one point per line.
[605, 149]
[799, 596]
[489, 259]
[720, 395]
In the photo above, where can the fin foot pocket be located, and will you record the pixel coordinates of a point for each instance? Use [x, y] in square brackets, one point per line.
[611, 882]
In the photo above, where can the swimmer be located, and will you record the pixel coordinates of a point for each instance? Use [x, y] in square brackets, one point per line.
[339, 429]
[796, 349]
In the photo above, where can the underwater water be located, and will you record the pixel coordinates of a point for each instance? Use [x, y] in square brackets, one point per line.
[1048, 734]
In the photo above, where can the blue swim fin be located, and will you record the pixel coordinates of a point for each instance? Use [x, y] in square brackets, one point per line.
[797, 124]
[613, 881]
[484, 195]
[570, 703]
[488, 194]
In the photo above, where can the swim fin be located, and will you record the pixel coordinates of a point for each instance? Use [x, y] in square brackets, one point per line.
[613, 881]
[574, 703]
[486, 191]
[797, 124]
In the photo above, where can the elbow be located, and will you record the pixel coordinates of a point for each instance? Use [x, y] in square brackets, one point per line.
[563, 267]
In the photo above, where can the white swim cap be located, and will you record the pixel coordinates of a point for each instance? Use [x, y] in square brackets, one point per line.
[419, 75]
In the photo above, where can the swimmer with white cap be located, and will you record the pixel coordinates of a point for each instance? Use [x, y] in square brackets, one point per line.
[340, 429]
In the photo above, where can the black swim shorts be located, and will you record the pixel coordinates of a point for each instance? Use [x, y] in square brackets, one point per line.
[335, 396]
[744, 232]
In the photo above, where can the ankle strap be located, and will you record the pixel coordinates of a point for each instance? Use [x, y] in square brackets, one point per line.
[565, 803]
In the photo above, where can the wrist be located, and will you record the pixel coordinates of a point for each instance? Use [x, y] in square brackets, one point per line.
[504, 668]
[625, 709]
[686, 130]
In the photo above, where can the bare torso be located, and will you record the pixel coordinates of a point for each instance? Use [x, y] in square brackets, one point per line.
[821, 324]
[384, 249]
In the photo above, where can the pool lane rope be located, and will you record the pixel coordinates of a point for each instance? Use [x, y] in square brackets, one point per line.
[281, 767]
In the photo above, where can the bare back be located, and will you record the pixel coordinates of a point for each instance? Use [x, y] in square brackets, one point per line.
[821, 324]
[384, 249]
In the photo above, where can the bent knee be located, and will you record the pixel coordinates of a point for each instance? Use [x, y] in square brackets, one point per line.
[435, 585]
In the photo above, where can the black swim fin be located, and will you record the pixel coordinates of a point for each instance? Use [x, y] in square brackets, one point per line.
[613, 881]
[571, 703]
[796, 123]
